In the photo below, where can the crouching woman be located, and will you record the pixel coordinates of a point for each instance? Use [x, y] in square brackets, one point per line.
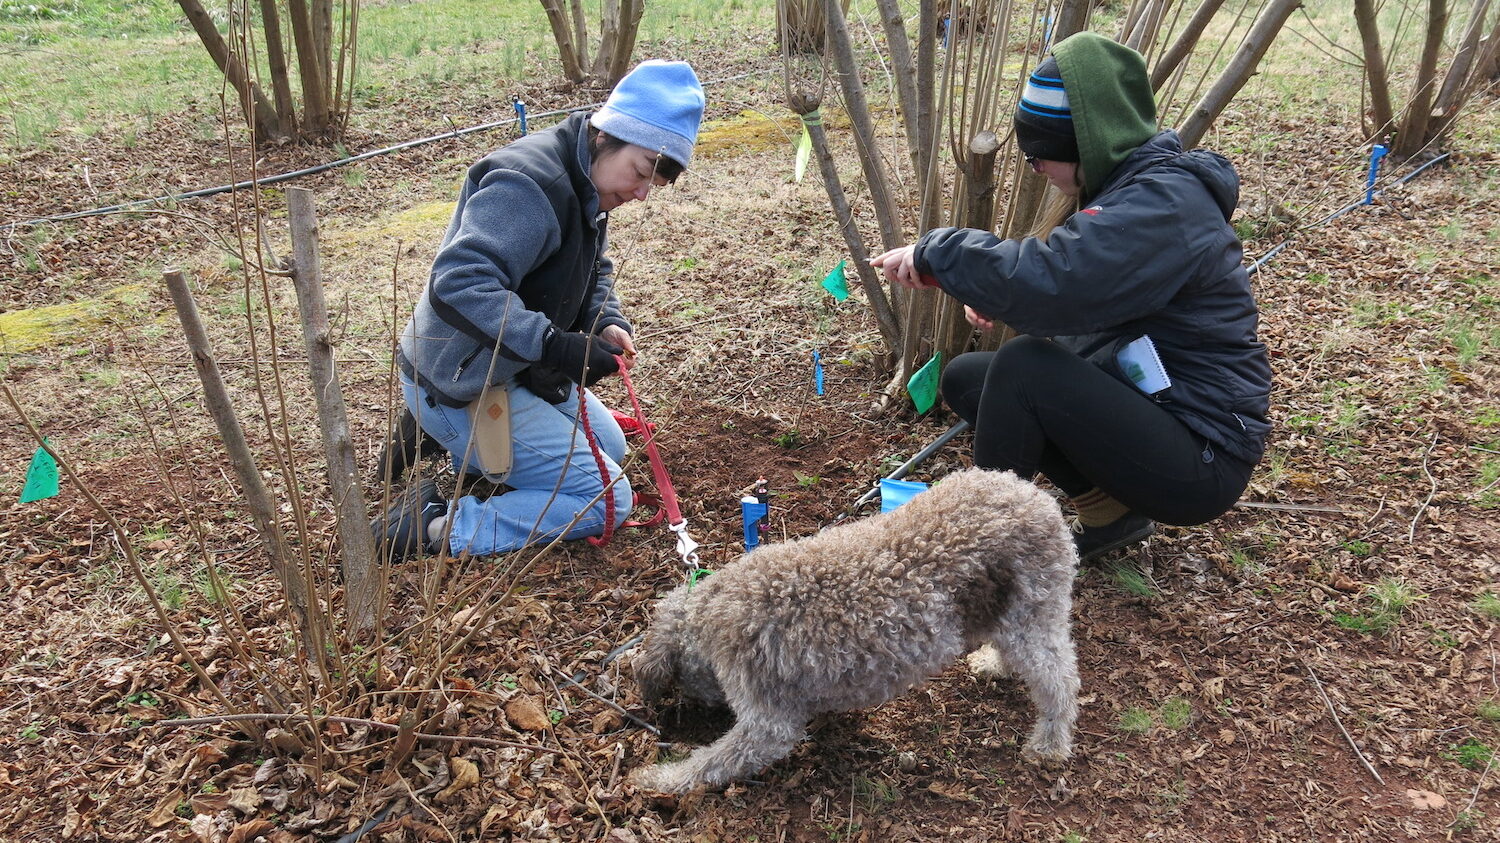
[1138, 386]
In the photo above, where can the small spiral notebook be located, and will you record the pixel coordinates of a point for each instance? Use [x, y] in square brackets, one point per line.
[1140, 362]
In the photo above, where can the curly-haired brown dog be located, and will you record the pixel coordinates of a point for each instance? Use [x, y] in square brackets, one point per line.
[861, 612]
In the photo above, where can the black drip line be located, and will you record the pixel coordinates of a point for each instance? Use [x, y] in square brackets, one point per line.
[1264, 259]
[276, 179]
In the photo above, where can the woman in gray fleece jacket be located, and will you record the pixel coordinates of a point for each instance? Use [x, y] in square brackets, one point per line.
[1138, 386]
[520, 309]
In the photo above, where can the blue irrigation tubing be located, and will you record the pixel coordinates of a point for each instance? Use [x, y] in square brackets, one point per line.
[1358, 203]
[276, 179]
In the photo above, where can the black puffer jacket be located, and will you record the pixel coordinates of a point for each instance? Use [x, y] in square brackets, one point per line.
[1151, 253]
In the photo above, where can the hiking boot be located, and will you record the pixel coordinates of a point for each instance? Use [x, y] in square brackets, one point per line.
[402, 531]
[408, 445]
[1128, 529]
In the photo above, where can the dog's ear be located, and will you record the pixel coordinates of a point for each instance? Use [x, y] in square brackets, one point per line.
[655, 665]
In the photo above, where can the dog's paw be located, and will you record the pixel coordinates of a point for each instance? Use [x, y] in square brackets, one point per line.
[986, 663]
[661, 778]
[1051, 742]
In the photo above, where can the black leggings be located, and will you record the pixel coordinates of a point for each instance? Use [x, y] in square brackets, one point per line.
[1036, 406]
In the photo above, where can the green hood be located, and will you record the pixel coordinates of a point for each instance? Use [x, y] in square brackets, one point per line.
[1109, 93]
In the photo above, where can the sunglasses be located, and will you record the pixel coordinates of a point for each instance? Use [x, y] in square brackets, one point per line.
[1034, 162]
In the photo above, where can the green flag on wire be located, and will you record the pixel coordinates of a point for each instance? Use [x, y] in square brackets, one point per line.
[41, 478]
[923, 385]
[834, 281]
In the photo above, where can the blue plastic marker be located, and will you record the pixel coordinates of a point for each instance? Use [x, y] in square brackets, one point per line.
[1377, 152]
[818, 371]
[754, 507]
[893, 493]
[515, 100]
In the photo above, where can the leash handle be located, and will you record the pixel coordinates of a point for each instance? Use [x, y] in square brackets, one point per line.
[658, 468]
[686, 547]
[609, 489]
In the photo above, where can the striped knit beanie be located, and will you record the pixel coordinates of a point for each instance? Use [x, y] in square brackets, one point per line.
[1044, 123]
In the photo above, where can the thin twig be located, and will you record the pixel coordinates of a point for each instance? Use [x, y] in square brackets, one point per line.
[299, 718]
[1411, 533]
[573, 683]
[1317, 683]
[1477, 787]
[1293, 507]
[417, 800]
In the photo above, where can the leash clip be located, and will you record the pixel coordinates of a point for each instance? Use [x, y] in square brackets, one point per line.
[686, 547]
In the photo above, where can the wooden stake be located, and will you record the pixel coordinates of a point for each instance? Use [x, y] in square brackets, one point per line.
[257, 496]
[362, 585]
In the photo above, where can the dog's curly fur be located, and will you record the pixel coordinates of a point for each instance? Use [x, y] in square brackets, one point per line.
[861, 612]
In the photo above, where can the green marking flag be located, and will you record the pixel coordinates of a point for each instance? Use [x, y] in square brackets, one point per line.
[804, 151]
[41, 478]
[923, 385]
[834, 281]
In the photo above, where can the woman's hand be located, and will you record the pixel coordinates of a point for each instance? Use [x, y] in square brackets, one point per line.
[901, 267]
[978, 320]
[621, 337]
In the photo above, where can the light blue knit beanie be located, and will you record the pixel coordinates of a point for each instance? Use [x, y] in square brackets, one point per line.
[658, 105]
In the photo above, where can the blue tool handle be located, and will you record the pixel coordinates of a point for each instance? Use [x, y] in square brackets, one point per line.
[752, 513]
[1377, 152]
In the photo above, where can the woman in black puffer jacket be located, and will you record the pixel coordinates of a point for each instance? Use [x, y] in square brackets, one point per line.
[1145, 268]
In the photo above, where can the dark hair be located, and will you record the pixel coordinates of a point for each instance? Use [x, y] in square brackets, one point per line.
[602, 142]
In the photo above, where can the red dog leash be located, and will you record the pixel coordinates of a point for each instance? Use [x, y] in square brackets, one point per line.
[666, 504]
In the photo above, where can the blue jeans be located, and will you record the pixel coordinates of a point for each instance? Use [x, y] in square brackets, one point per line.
[552, 478]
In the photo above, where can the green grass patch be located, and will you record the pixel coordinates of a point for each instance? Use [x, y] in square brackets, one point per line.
[1487, 605]
[1385, 602]
[1471, 754]
[1176, 713]
[117, 66]
[1135, 721]
[1130, 580]
[1488, 710]
[1489, 476]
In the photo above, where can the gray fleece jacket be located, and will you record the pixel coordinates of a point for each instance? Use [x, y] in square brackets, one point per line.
[525, 251]
[1151, 253]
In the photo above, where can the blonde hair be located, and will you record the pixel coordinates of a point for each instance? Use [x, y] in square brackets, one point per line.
[1056, 208]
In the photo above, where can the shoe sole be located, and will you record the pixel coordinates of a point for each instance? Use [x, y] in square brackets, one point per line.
[1120, 543]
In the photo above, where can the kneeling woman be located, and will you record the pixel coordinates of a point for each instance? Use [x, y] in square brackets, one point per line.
[521, 309]
[1144, 270]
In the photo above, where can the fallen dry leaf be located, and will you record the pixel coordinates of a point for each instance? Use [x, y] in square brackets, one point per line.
[526, 714]
[246, 800]
[166, 810]
[951, 791]
[70, 823]
[1342, 582]
[465, 774]
[203, 828]
[246, 832]
[1425, 800]
[606, 721]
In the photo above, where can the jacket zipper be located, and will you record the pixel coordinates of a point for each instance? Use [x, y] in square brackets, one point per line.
[464, 364]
